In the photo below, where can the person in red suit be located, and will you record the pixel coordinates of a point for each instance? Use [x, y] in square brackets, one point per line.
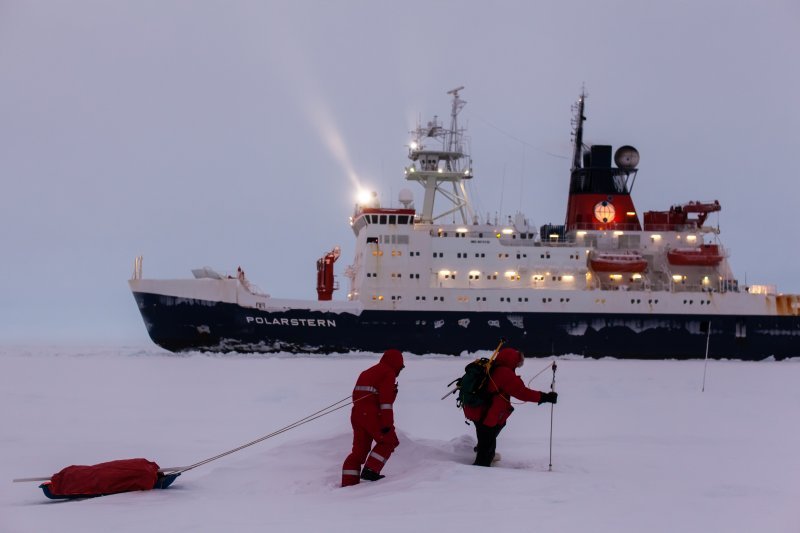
[372, 419]
[504, 384]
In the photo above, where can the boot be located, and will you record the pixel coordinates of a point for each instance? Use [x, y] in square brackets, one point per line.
[370, 475]
[494, 459]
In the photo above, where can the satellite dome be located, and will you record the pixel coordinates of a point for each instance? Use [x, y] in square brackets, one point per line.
[406, 197]
[626, 157]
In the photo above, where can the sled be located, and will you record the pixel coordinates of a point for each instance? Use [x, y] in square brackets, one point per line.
[113, 477]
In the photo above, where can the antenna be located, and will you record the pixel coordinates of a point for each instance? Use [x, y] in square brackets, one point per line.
[442, 170]
[577, 122]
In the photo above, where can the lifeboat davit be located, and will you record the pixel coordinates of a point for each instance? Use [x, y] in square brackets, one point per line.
[617, 262]
[706, 255]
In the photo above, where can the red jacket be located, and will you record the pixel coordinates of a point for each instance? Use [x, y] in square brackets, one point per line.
[375, 390]
[504, 384]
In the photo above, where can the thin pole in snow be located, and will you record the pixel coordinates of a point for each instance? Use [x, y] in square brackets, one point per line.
[552, 389]
[705, 365]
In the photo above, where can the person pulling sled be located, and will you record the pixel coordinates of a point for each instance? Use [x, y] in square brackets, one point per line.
[372, 419]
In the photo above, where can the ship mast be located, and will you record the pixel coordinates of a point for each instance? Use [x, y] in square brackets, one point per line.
[442, 168]
[578, 133]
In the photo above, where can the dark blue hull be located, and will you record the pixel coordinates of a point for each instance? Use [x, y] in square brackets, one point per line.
[183, 325]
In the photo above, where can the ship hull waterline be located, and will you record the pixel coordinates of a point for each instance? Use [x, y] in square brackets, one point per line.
[179, 324]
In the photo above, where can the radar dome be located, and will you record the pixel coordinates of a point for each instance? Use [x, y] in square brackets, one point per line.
[406, 197]
[626, 157]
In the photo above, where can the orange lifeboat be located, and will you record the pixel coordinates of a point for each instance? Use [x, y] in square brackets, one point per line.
[617, 262]
[707, 255]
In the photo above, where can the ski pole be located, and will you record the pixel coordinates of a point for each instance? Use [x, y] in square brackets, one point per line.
[552, 389]
[705, 365]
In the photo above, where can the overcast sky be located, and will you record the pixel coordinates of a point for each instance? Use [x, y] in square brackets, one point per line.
[234, 133]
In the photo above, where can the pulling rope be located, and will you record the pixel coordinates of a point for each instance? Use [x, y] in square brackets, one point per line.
[177, 470]
[313, 416]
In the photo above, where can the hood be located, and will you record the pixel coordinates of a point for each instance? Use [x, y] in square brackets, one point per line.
[508, 357]
[394, 359]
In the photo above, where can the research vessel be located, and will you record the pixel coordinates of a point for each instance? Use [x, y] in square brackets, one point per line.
[437, 277]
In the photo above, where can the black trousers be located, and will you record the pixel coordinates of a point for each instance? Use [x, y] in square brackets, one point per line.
[487, 442]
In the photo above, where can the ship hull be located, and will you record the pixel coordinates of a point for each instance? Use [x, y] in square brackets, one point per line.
[182, 324]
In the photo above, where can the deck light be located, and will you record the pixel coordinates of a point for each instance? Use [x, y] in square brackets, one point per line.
[363, 197]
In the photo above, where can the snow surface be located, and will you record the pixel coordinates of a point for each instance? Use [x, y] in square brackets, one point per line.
[637, 447]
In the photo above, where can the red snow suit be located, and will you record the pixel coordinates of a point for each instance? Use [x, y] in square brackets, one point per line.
[503, 384]
[372, 417]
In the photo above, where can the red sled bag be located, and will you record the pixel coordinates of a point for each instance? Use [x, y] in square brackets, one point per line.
[113, 477]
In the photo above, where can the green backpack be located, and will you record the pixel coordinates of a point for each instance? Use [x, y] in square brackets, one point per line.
[473, 390]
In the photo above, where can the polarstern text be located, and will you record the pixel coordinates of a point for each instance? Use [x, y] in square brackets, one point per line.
[313, 322]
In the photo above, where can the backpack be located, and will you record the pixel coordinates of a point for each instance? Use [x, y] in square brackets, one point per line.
[472, 387]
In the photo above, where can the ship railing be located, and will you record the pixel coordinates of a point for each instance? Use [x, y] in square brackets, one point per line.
[589, 226]
[719, 288]
[556, 244]
[762, 289]
[660, 286]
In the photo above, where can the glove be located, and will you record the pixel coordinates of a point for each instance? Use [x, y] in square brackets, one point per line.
[385, 430]
[548, 397]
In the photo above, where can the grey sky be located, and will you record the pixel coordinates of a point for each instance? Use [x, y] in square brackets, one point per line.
[228, 133]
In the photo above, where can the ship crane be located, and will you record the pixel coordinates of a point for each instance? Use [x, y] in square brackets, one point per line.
[677, 218]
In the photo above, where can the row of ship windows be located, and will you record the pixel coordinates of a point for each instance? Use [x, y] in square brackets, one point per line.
[452, 275]
[395, 253]
[393, 275]
[388, 239]
[378, 297]
[479, 234]
[389, 219]
[655, 301]
[465, 255]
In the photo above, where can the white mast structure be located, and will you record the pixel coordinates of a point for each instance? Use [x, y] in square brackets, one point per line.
[446, 163]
